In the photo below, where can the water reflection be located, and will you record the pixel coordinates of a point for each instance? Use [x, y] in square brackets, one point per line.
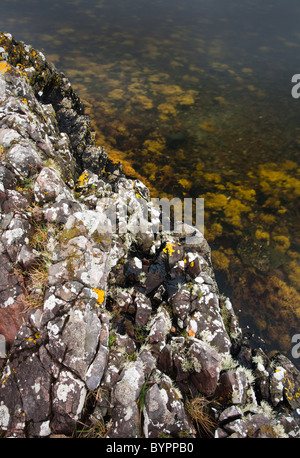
[195, 97]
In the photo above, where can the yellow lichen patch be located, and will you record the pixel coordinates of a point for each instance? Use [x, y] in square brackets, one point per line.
[101, 295]
[169, 248]
[83, 179]
[4, 66]
[158, 77]
[247, 70]
[276, 179]
[289, 165]
[243, 193]
[221, 100]
[267, 218]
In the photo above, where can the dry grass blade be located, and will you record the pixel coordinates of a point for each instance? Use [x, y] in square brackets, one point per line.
[198, 409]
[97, 429]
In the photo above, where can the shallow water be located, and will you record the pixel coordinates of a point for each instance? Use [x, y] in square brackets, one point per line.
[195, 97]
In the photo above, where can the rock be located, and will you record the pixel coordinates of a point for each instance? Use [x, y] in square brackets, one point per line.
[206, 363]
[155, 276]
[27, 257]
[125, 343]
[133, 269]
[24, 158]
[258, 425]
[114, 366]
[12, 419]
[285, 382]
[94, 159]
[230, 414]
[181, 304]
[262, 374]
[125, 415]
[165, 360]
[96, 370]
[68, 402]
[49, 187]
[235, 387]
[147, 359]
[143, 309]
[164, 412]
[16, 235]
[12, 300]
[14, 202]
[159, 326]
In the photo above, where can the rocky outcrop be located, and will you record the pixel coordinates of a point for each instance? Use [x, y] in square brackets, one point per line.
[112, 331]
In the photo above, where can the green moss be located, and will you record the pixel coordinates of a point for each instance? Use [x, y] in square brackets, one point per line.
[74, 231]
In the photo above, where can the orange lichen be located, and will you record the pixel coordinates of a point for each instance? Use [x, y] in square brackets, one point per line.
[101, 295]
[4, 66]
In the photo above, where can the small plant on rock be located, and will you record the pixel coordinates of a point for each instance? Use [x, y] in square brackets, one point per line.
[198, 410]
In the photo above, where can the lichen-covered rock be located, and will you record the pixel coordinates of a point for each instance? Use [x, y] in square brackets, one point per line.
[68, 394]
[164, 411]
[49, 187]
[206, 362]
[125, 414]
[284, 382]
